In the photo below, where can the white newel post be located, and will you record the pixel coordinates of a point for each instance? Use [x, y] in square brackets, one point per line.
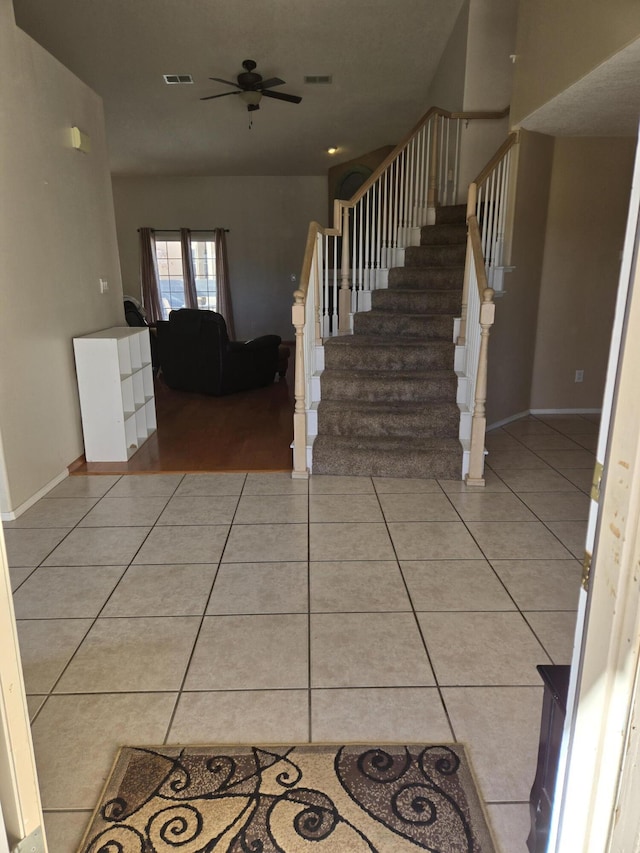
[344, 307]
[300, 470]
[479, 422]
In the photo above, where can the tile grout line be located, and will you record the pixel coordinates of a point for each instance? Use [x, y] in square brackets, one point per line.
[419, 628]
[180, 690]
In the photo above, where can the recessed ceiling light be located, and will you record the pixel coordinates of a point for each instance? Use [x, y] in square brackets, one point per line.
[172, 79]
[332, 150]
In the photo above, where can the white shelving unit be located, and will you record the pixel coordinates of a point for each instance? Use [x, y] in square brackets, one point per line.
[115, 382]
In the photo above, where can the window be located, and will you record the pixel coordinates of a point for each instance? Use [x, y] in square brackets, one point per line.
[171, 271]
[203, 252]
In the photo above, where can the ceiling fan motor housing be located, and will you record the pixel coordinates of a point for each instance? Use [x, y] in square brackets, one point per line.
[248, 79]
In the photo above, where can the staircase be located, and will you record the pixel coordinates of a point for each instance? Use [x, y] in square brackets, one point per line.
[388, 402]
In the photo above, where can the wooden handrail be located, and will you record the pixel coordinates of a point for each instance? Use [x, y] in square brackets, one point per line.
[305, 275]
[509, 142]
[481, 114]
[478, 257]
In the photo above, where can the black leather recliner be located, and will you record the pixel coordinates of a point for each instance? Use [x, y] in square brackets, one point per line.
[134, 317]
[197, 355]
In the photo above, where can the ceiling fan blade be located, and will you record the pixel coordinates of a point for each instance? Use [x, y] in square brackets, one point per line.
[282, 96]
[228, 82]
[272, 81]
[223, 95]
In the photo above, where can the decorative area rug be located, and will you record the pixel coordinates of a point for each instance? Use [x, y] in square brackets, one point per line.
[290, 799]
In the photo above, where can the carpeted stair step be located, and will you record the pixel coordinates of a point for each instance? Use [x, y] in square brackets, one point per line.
[443, 234]
[385, 324]
[426, 278]
[357, 352]
[417, 301]
[451, 214]
[388, 386]
[388, 457]
[355, 418]
[435, 256]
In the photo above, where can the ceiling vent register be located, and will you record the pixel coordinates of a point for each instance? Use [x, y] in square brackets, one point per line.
[318, 78]
[172, 79]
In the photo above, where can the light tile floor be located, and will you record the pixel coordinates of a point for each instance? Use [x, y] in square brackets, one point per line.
[235, 608]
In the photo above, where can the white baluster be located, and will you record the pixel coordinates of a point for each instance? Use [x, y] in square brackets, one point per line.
[456, 168]
[393, 211]
[367, 240]
[334, 316]
[345, 307]
[384, 260]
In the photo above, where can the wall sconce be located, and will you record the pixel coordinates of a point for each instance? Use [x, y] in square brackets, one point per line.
[80, 140]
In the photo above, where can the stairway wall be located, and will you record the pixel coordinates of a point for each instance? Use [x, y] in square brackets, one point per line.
[588, 203]
[513, 336]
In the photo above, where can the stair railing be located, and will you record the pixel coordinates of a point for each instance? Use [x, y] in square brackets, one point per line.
[344, 264]
[489, 223]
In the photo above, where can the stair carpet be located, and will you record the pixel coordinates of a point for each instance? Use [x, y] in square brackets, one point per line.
[388, 392]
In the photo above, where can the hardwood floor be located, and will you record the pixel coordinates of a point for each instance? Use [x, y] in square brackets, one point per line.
[248, 431]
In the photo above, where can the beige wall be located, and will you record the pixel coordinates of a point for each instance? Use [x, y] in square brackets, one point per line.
[588, 204]
[268, 218]
[512, 342]
[447, 87]
[58, 235]
[559, 41]
[491, 41]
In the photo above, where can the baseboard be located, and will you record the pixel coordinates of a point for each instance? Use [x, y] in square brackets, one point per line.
[77, 463]
[17, 512]
[534, 412]
[566, 411]
[508, 420]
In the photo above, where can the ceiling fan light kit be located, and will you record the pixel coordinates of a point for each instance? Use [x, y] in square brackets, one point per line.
[252, 88]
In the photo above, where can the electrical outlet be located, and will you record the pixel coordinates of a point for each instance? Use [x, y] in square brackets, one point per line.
[579, 376]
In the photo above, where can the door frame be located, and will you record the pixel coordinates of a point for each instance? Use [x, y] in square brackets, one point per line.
[19, 791]
[599, 773]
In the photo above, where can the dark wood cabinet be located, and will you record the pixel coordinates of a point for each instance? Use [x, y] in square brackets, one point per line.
[554, 708]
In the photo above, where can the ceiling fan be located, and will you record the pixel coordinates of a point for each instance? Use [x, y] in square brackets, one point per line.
[251, 87]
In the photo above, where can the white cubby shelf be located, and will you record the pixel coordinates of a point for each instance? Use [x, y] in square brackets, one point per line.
[115, 384]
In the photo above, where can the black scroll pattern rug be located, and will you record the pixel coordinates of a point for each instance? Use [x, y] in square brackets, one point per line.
[290, 799]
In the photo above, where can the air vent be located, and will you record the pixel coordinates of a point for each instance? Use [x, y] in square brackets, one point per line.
[318, 78]
[172, 79]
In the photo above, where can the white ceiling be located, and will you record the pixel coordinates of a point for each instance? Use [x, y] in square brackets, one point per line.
[381, 54]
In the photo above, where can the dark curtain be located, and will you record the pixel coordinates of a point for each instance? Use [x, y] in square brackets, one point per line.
[190, 295]
[225, 306]
[149, 275]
